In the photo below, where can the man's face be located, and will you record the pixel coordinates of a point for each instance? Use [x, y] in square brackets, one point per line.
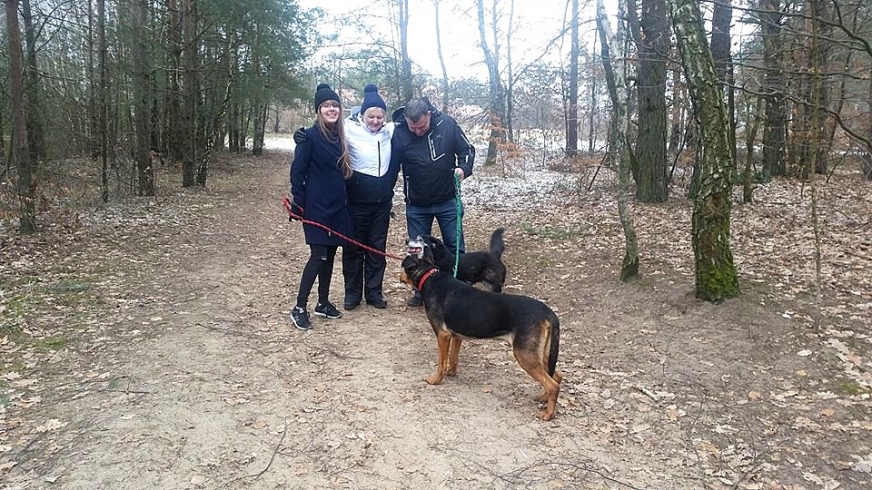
[421, 126]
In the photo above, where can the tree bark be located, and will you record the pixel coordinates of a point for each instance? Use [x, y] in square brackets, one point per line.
[173, 140]
[591, 114]
[618, 94]
[102, 100]
[26, 182]
[510, 77]
[496, 90]
[444, 80]
[572, 99]
[775, 127]
[189, 129]
[405, 63]
[750, 138]
[720, 45]
[716, 277]
[33, 95]
[677, 119]
[652, 39]
[141, 98]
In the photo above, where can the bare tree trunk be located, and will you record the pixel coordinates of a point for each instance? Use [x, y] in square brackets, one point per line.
[618, 93]
[866, 156]
[445, 95]
[141, 98]
[259, 104]
[174, 143]
[102, 102]
[406, 64]
[775, 127]
[819, 62]
[276, 122]
[750, 137]
[716, 277]
[93, 110]
[510, 77]
[33, 95]
[572, 102]
[591, 123]
[821, 91]
[720, 45]
[189, 123]
[217, 123]
[26, 182]
[233, 129]
[676, 127]
[496, 90]
[652, 38]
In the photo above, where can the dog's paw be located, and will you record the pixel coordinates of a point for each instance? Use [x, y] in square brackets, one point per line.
[545, 414]
[434, 379]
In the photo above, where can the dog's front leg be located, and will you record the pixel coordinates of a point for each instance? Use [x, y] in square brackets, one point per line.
[443, 340]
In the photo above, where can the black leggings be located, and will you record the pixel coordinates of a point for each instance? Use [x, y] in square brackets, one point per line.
[320, 266]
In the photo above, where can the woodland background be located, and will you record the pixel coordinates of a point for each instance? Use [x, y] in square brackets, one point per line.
[105, 90]
[99, 93]
[136, 130]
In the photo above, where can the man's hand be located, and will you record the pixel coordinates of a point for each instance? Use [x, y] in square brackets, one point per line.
[459, 173]
[300, 136]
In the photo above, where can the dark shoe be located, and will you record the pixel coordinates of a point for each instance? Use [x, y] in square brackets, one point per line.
[300, 317]
[415, 301]
[327, 310]
[379, 303]
[352, 301]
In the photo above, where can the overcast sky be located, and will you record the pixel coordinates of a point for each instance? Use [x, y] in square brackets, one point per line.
[537, 22]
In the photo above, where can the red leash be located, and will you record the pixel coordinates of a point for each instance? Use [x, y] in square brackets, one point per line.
[287, 204]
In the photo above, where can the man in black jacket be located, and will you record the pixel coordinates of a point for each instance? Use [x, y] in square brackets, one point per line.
[435, 156]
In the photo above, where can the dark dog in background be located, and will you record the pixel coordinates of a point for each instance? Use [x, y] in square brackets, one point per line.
[474, 267]
[457, 311]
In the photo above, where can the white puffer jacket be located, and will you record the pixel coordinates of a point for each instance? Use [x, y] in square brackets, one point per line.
[370, 152]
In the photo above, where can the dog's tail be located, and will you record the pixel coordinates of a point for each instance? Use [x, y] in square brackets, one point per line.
[497, 245]
[554, 348]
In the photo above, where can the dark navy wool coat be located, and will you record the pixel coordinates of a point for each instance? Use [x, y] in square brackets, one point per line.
[318, 187]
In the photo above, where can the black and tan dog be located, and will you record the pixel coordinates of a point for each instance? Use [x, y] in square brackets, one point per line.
[458, 311]
[474, 267]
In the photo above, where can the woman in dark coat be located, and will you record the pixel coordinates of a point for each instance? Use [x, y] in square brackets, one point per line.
[318, 173]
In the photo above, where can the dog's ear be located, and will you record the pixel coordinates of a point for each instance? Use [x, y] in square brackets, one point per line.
[427, 255]
[433, 241]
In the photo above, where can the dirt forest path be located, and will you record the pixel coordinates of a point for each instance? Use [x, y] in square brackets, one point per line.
[182, 370]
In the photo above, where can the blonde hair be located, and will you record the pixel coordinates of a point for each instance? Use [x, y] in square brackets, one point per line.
[337, 131]
[376, 108]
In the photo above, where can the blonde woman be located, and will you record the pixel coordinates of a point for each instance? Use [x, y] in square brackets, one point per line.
[370, 193]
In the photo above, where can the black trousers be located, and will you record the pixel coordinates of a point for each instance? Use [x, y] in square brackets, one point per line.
[364, 271]
[319, 266]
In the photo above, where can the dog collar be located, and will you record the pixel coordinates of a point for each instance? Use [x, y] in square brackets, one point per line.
[425, 277]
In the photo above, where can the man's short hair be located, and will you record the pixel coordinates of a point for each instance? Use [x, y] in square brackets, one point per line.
[416, 109]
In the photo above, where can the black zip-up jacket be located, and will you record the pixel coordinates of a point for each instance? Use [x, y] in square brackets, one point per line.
[428, 161]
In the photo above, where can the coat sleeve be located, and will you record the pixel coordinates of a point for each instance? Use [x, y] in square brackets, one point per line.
[465, 152]
[299, 171]
[393, 166]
